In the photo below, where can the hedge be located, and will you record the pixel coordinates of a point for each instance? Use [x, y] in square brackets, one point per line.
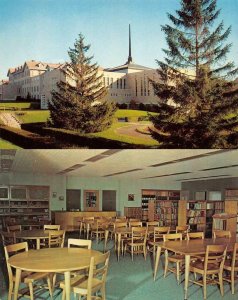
[26, 139]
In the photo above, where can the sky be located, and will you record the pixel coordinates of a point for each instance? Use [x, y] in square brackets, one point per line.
[45, 30]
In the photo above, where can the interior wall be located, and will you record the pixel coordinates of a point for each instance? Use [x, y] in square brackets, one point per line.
[210, 185]
[57, 185]
[123, 188]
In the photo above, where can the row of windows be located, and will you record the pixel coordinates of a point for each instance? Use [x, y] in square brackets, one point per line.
[119, 83]
[115, 95]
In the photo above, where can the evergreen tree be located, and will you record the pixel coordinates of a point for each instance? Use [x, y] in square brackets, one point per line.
[78, 102]
[198, 95]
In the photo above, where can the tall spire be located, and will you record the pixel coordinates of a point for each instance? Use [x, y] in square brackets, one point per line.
[129, 57]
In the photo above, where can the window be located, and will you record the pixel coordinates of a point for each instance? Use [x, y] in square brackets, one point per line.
[120, 83]
[124, 83]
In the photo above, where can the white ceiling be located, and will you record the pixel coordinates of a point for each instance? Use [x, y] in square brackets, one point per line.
[131, 164]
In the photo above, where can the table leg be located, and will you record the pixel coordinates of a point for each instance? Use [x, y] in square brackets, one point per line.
[158, 252]
[118, 245]
[106, 238]
[17, 283]
[67, 285]
[187, 264]
[37, 244]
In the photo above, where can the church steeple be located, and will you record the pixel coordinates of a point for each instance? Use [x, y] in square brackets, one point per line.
[129, 57]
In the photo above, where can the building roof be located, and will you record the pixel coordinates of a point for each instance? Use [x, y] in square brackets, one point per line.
[34, 65]
[128, 66]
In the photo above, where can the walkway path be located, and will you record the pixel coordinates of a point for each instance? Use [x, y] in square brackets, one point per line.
[10, 120]
[130, 130]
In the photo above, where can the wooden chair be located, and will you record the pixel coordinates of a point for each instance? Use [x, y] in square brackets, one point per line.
[134, 220]
[14, 228]
[195, 235]
[98, 229]
[87, 223]
[231, 266]
[182, 229]
[51, 227]
[221, 234]
[137, 244]
[29, 278]
[8, 238]
[80, 243]
[56, 238]
[124, 237]
[172, 257]
[210, 268]
[157, 237]
[150, 227]
[135, 224]
[95, 282]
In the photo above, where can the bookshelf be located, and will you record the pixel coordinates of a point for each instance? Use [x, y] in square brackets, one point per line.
[133, 212]
[196, 215]
[212, 208]
[24, 203]
[231, 207]
[161, 206]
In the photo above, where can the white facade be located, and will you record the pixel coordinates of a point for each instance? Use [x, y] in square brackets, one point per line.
[37, 80]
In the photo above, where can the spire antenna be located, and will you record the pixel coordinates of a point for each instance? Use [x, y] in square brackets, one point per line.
[129, 57]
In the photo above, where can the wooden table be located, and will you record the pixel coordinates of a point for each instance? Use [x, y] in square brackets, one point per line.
[35, 234]
[190, 248]
[52, 260]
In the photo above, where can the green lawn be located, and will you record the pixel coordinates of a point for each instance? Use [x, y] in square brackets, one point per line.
[7, 145]
[20, 105]
[112, 135]
[32, 116]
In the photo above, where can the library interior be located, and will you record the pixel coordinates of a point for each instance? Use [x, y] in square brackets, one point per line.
[119, 224]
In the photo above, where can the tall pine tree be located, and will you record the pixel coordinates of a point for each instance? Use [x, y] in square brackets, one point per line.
[78, 102]
[198, 97]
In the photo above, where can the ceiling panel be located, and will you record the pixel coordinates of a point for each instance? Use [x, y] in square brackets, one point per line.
[150, 164]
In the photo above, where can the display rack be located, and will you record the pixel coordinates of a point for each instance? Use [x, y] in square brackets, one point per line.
[20, 204]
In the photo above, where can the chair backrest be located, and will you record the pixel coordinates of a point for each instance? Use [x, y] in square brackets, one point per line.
[51, 227]
[234, 262]
[160, 231]
[88, 219]
[139, 233]
[221, 234]
[80, 243]
[215, 257]
[195, 235]
[135, 224]
[134, 220]
[14, 228]
[120, 225]
[11, 250]
[152, 224]
[8, 238]
[56, 238]
[122, 218]
[182, 229]
[97, 270]
[172, 237]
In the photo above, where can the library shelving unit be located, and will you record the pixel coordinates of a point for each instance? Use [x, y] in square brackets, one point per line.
[162, 206]
[146, 197]
[24, 203]
[133, 212]
[196, 215]
[231, 207]
[212, 208]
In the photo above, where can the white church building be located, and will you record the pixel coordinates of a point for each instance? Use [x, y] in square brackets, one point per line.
[125, 83]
